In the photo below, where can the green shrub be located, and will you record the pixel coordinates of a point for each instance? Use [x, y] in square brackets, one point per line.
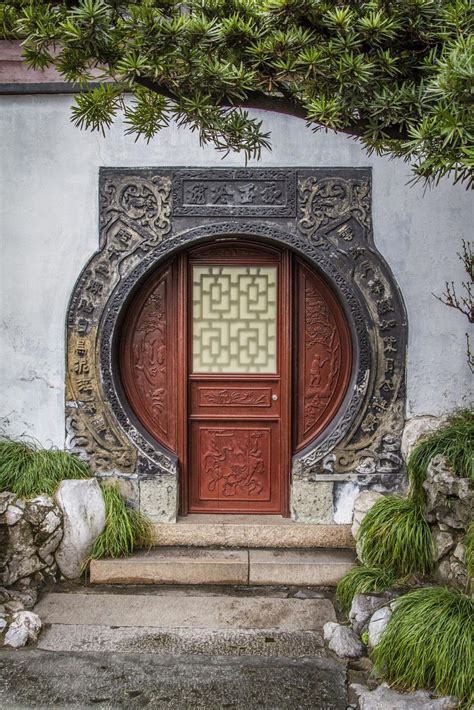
[125, 529]
[394, 535]
[29, 470]
[429, 643]
[362, 580]
[455, 440]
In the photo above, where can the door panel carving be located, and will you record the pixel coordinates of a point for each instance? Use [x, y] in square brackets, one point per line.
[324, 356]
[148, 359]
[235, 464]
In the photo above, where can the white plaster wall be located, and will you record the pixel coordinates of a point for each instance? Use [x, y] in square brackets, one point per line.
[48, 207]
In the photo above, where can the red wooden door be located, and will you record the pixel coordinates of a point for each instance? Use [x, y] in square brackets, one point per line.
[208, 356]
[238, 380]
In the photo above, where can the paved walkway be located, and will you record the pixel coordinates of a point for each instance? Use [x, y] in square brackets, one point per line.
[41, 679]
[177, 648]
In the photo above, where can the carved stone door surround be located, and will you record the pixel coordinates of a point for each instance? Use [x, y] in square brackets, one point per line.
[321, 214]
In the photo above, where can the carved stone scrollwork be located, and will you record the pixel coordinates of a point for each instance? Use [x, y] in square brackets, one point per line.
[135, 216]
[327, 202]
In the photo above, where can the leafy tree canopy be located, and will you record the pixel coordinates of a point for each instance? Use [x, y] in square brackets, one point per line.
[398, 74]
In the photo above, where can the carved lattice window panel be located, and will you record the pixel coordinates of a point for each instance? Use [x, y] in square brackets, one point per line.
[234, 319]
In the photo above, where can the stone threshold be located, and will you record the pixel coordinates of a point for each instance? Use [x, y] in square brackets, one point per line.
[252, 531]
[177, 565]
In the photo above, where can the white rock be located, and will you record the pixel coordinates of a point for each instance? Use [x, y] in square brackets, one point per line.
[342, 640]
[83, 509]
[25, 627]
[362, 608]
[3, 623]
[415, 429]
[384, 698]
[362, 504]
[377, 624]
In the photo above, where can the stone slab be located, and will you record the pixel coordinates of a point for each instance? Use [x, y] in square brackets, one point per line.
[173, 566]
[302, 568]
[251, 531]
[182, 642]
[185, 612]
[40, 679]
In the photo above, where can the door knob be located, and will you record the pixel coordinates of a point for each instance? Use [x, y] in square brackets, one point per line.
[274, 397]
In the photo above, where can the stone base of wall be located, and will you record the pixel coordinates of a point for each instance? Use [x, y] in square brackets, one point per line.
[314, 500]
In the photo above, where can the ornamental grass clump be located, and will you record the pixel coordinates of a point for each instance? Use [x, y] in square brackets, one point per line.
[362, 580]
[455, 441]
[125, 528]
[395, 536]
[469, 545]
[429, 643]
[28, 470]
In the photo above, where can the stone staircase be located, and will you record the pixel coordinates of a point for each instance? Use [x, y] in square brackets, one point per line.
[186, 621]
[180, 647]
[249, 550]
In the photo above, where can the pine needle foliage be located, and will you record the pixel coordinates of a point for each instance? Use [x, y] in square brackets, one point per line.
[455, 441]
[395, 75]
[28, 470]
[363, 580]
[429, 643]
[394, 535]
[125, 528]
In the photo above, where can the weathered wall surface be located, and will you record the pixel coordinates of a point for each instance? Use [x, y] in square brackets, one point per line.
[49, 213]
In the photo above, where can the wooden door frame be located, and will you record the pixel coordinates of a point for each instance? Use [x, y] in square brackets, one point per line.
[285, 314]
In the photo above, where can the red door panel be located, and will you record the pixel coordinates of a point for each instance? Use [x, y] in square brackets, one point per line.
[236, 467]
[238, 449]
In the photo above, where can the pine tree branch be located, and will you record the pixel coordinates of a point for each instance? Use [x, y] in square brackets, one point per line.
[277, 104]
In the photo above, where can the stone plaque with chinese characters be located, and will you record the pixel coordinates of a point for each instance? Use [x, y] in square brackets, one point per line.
[237, 193]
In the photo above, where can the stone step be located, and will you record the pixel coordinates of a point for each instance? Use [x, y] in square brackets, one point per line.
[182, 642]
[186, 611]
[186, 623]
[225, 567]
[253, 531]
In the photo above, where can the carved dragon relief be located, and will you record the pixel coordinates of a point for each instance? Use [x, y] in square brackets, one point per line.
[149, 355]
[328, 203]
[135, 216]
[322, 354]
[233, 463]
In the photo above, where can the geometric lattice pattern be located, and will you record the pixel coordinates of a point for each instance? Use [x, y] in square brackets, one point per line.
[234, 318]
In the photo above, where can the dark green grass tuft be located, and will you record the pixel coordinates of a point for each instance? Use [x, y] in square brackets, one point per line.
[29, 470]
[394, 535]
[455, 440]
[362, 580]
[429, 643]
[125, 529]
[469, 543]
